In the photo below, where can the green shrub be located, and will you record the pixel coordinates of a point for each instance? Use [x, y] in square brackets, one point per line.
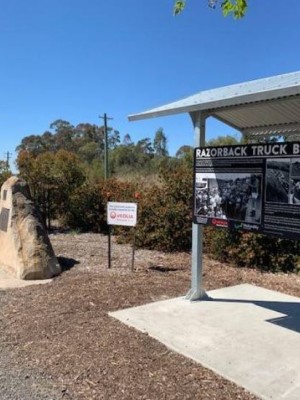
[88, 203]
[165, 221]
[162, 224]
[251, 250]
[86, 209]
[165, 212]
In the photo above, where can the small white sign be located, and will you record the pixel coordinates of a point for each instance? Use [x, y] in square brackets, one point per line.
[121, 213]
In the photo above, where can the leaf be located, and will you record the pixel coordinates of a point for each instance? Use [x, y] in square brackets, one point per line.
[178, 7]
[236, 8]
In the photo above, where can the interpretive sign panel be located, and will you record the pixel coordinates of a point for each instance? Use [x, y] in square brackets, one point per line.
[121, 213]
[252, 187]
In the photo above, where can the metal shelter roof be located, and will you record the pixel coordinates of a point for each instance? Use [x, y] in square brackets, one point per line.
[269, 106]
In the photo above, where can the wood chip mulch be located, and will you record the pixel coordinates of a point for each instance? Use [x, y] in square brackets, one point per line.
[62, 334]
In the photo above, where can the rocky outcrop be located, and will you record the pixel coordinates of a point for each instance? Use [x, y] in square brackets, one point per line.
[25, 249]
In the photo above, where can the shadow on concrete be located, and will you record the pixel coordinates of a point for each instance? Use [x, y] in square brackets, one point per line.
[66, 263]
[291, 320]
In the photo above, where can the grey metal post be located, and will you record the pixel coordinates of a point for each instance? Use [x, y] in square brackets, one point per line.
[197, 291]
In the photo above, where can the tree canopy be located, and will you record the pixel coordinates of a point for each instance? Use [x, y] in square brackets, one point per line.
[86, 141]
[5, 172]
[235, 8]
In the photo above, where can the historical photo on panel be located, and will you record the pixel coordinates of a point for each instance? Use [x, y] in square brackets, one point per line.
[295, 170]
[294, 183]
[235, 196]
[278, 180]
[294, 197]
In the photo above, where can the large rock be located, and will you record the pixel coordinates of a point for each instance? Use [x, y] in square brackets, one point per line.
[25, 249]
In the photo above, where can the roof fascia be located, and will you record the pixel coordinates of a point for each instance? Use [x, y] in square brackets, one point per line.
[234, 102]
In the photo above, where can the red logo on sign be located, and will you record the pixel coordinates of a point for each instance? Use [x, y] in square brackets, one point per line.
[219, 222]
[113, 215]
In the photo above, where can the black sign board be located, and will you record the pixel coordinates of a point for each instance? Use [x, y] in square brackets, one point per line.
[252, 187]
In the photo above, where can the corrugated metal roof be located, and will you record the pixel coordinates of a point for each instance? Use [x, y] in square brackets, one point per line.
[277, 114]
[256, 107]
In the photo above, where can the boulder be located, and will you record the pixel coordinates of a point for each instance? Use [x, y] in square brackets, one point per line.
[25, 248]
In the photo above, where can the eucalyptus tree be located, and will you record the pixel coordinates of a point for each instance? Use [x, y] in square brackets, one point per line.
[160, 143]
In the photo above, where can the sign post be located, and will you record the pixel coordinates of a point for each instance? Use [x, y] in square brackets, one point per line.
[122, 214]
[133, 250]
[109, 247]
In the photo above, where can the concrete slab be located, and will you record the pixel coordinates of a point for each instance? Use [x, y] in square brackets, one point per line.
[247, 334]
[7, 281]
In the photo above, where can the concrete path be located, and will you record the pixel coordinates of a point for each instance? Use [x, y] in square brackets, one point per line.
[247, 334]
[7, 281]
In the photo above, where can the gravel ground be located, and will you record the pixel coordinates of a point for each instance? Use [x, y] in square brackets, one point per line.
[20, 382]
[58, 342]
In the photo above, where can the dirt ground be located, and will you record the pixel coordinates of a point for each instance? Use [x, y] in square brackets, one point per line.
[58, 342]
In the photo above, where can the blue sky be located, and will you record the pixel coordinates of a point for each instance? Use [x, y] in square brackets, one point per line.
[76, 59]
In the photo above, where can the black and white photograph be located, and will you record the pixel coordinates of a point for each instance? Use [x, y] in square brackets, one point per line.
[294, 186]
[283, 181]
[294, 196]
[234, 196]
[295, 170]
[277, 180]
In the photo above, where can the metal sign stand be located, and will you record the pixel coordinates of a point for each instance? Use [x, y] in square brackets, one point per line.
[123, 214]
[109, 247]
[133, 251]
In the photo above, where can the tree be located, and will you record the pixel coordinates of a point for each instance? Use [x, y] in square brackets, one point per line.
[184, 151]
[223, 141]
[52, 177]
[123, 156]
[235, 8]
[5, 173]
[144, 146]
[33, 144]
[89, 152]
[113, 138]
[160, 143]
[64, 134]
[85, 133]
[127, 140]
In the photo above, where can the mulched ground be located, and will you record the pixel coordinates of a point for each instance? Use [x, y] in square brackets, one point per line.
[58, 341]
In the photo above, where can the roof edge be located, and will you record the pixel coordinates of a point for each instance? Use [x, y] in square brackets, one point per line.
[191, 104]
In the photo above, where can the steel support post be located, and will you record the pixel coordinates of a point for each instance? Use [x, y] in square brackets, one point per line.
[197, 291]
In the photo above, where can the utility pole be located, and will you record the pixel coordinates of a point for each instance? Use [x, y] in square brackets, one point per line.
[7, 155]
[105, 118]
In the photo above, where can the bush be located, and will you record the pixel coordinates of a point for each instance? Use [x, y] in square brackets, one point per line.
[88, 204]
[165, 221]
[163, 224]
[86, 209]
[251, 250]
[165, 212]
